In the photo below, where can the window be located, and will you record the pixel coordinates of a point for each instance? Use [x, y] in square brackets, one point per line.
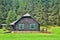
[32, 26]
[21, 26]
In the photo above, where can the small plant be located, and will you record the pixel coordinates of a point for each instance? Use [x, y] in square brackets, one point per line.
[44, 29]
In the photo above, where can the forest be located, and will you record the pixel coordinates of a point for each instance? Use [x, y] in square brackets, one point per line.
[46, 12]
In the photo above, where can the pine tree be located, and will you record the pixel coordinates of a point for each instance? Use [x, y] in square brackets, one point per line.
[11, 17]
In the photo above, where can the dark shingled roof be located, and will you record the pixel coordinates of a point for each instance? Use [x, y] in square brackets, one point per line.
[24, 16]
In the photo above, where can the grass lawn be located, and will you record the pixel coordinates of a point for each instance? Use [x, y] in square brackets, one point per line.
[55, 35]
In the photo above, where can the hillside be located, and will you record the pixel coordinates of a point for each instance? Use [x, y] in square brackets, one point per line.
[47, 12]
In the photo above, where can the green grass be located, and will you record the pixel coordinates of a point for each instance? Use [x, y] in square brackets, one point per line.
[55, 35]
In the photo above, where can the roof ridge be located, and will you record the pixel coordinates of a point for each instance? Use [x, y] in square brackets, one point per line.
[27, 14]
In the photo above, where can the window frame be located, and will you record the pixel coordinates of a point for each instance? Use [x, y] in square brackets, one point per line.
[30, 27]
[21, 26]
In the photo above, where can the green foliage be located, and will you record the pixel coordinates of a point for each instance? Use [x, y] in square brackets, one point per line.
[11, 17]
[47, 12]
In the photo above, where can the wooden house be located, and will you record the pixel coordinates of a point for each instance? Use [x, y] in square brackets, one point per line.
[25, 23]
